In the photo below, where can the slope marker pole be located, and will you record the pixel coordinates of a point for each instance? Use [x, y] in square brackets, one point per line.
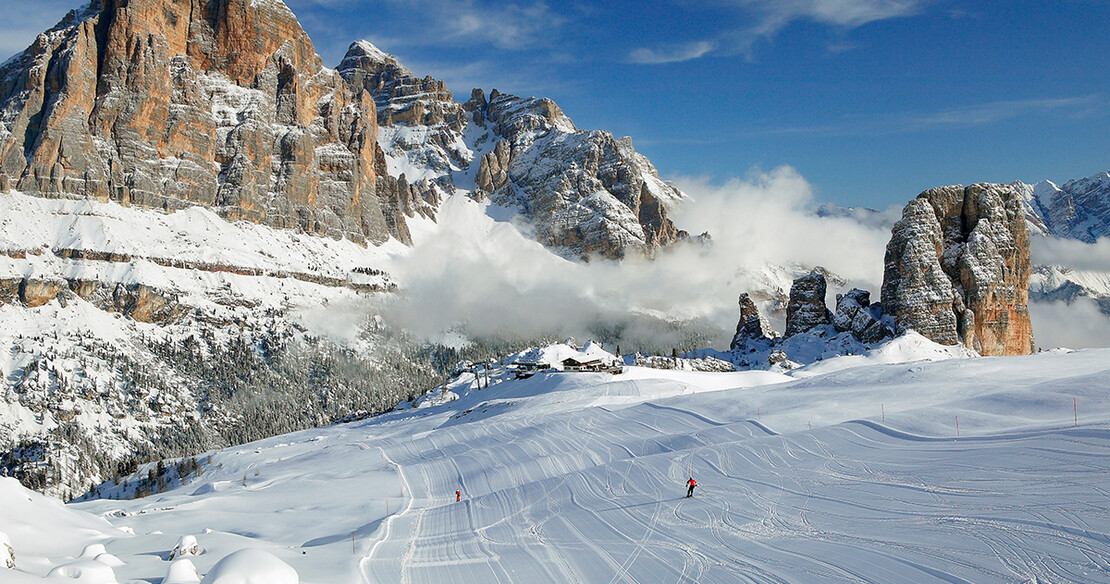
[1075, 405]
[353, 544]
[882, 407]
[957, 425]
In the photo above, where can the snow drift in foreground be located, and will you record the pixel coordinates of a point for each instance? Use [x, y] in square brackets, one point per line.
[897, 466]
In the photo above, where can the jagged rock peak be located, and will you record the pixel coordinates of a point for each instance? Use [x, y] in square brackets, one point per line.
[752, 325]
[856, 314]
[958, 267]
[363, 55]
[807, 309]
[172, 103]
[587, 192]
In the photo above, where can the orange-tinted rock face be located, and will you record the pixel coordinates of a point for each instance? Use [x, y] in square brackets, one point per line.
[168, 103]
[958, 266]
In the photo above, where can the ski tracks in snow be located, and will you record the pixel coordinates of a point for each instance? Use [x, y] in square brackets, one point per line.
[595, 496]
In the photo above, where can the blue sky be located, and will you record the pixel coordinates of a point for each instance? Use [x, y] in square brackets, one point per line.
[871, 101]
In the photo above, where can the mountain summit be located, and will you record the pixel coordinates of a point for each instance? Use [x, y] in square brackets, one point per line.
[169, 104]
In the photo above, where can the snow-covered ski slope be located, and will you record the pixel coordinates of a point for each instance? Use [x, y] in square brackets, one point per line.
[850, 474]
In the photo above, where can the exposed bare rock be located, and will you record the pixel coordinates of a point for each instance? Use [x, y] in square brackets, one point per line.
[957, 269]
[477, 106]
[224, 103]
[916, 290]
[856, 314]
[36, 292]
[586, 192]
[170, 103]
[807, 304]
[419, 123]
[7, 554]
[752, 325]
[5, 184]
[146, 304]
[493, 172]
[9, 290]
[400, 96]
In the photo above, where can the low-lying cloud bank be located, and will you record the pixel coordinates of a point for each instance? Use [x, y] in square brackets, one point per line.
[489, 278]
[1076, 325]
[483, 278]
[1051, 251]
[1081, 323]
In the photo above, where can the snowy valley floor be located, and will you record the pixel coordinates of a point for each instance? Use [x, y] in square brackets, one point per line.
[846, 471]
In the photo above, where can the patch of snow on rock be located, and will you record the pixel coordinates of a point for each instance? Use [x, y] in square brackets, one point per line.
[7, 554]
[186, 546]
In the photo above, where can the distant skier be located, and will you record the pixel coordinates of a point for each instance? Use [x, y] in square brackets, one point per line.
[690, 484]
[458, 496]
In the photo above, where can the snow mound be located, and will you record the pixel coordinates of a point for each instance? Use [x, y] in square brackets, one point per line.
[213, 487]
[908, 348]
[186, 546]
[41, 526]
[109, 560]
[182, 572]
[7, 554]
[92, 550]
[85, 571]
[250, 566]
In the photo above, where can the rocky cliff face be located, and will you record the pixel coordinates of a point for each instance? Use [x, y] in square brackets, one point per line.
[812, 332]
[957, 269]
[587, 192]
[856, 314]
[171, 103]
[807, 309]
[225, 104]
[752, 326]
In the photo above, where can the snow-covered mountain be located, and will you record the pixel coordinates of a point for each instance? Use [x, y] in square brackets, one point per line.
[130, 333]
[1080, 209]
[232, 109]
[198, 219]
[1077, 210]
[584, 193]
[901, 465]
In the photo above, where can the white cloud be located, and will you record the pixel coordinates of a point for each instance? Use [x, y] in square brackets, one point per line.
[673, 54]
[491, 277]
[505, 25]
[989, 113]
[849, 13]
[968, 116]
[1051, 251]
[766, 18]
[1080, 324]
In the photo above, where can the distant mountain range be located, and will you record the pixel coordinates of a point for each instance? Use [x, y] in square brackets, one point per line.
[1080, 210]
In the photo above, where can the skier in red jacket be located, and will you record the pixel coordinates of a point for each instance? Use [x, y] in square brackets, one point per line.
[458, 496]
[690, 484]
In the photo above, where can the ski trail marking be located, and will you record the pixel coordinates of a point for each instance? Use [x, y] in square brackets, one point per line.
[387, 530]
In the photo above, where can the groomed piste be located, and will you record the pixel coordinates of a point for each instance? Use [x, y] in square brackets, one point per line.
[897, 466]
